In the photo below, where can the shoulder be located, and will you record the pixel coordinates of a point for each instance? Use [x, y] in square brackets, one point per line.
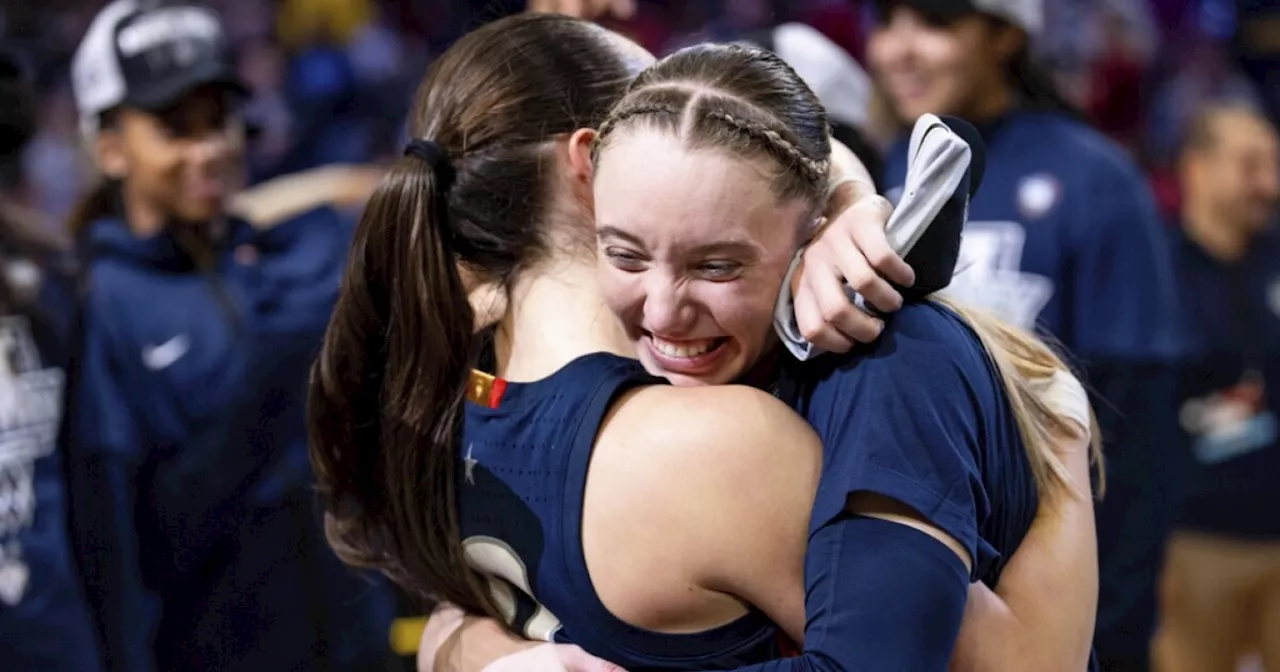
[702, 486]
[924, 347]
[1105, 174]
[1078, 142]
[704, 455]
[727, 432]
[927, 382]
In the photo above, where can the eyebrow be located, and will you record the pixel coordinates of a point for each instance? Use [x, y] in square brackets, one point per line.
[732, 247]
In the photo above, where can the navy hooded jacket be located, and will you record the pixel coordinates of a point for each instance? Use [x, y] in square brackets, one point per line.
[200, 543]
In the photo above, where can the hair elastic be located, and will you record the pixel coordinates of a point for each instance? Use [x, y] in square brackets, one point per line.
[427, 151]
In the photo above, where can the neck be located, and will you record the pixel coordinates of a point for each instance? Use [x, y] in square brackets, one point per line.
[556, 315]
[1217, 237]
[991, 106]
[143, 219]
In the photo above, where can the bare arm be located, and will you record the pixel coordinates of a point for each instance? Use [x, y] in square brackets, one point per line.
[456, 642]
[1041, 615]
[283, 198]
[674, 540]
[686, 519]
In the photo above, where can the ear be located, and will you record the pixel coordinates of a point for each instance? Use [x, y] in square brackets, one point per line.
[488, 298]
[580, 144]
[108, 152]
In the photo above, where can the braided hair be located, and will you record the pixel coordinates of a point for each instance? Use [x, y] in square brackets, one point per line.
[741, 99]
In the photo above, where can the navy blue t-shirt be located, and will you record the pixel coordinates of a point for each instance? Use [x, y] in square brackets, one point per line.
[43, 615]
[921, 417]
[1230, 390]
[521, 478]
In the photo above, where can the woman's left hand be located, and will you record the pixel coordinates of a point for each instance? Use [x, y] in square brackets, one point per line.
[851, 249]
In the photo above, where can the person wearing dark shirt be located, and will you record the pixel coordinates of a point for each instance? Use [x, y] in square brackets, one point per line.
[1220, 599]
[1064, 238]
[191, 502]
[513, 452]
[44, 618]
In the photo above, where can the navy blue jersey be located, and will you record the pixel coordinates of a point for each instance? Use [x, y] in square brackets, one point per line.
[1230, 389]
[1064, 237]
[521, 478]
[922, 417]
[43, 614]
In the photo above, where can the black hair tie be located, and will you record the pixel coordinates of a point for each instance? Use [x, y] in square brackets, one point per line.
[427, 151]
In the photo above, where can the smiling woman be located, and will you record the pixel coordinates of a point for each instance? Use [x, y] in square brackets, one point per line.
[673, 263]
[196, 330]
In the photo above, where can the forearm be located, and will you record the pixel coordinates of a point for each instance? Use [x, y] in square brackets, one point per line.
[457, 642]
[848, 178]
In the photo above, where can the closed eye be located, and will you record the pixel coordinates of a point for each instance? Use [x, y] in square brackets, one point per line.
[719, 270]
[624, 259]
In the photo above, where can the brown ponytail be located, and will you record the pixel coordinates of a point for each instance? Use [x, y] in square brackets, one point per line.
[387, 391]
[359, 403]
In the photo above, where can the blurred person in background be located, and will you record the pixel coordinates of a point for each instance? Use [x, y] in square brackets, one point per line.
[191, 492]
[44, 621]
[840, 83]
[1257, 44]
[262, 67]
[1063, 237]
[53, 163]
[1220, 589]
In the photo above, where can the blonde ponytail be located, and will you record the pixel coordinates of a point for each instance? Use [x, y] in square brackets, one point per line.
[1027, 367]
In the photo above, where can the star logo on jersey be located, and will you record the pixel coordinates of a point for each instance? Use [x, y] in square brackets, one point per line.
[469, 467]
[1038, 194]
[992, 278]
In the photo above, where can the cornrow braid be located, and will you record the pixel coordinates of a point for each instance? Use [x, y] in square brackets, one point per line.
[745, 101]
[815, 170]
[629, 112]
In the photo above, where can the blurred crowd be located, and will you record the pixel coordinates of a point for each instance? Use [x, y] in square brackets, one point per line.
[339, 74]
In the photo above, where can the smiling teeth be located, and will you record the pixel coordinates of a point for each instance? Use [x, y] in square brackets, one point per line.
[683, 351]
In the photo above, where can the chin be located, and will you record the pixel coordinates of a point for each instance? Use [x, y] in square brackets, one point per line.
[203, 212]
[912, 110]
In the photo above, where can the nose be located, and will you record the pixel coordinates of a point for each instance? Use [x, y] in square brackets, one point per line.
[668, 311]
[209, 147]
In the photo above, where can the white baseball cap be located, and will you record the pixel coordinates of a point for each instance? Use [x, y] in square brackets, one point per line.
[149, 55]
[836, 77]
[1025, 14]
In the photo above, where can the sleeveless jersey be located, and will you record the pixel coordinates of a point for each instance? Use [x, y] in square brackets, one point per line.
[521, 478]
